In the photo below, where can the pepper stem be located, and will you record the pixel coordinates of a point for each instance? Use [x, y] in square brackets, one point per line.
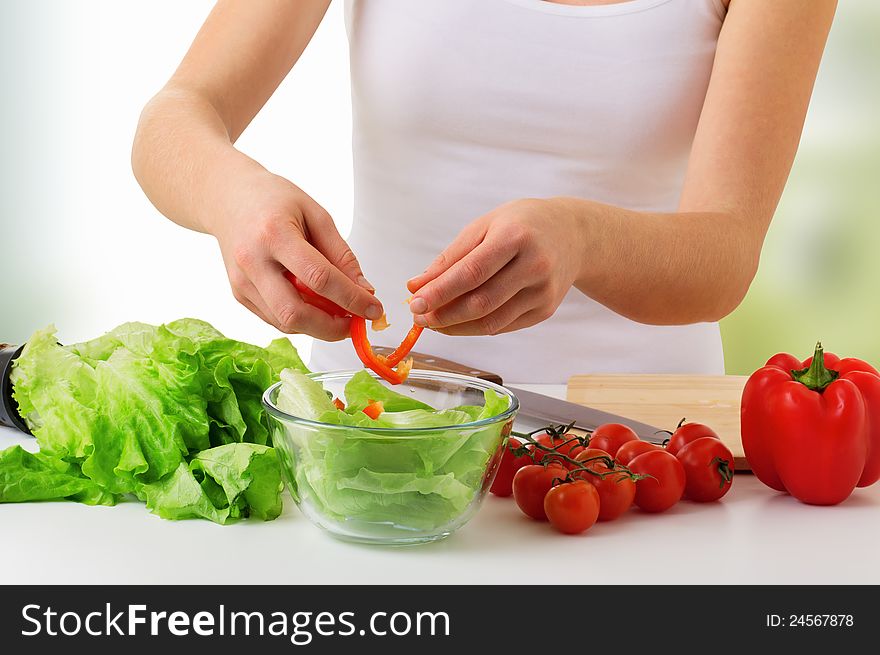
[815, 377]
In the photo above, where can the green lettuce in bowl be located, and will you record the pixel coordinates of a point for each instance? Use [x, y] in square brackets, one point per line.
[415, 473]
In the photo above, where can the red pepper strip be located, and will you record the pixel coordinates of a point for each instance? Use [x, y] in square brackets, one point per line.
[374, 408]
[406, 345]
[338, 404]
[383, 366]
[365, 352]
[311, 298]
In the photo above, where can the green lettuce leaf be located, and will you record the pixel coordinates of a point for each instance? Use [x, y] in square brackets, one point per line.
[134, 408]
[422, 418]
[26, 476]
[364, 388]
[302, 397]
[421, 480]
[221, 484]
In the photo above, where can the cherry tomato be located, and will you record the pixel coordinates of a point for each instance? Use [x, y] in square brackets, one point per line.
[708, 466]
[530, 485]
[632, 449]
[591, 454]
[568, 445]
[374, 408]
[507, 468]
[616, 494]
[572, 507]
[616, 490]
[686, 433]
[611, 436]
[665, 488]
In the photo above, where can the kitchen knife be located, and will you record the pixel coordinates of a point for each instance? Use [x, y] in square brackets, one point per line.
[432, 363]
[9, 416]
[537, 410]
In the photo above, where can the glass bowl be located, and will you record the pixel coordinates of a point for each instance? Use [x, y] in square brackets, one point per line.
[392, 485]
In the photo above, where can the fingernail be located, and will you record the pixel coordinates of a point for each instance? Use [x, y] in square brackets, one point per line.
[421, 321]
[362, 281]
[418, 306]
[374, 312]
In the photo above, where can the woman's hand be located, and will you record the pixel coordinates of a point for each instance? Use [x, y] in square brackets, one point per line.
[183, 157]
[272, 226]
[508, 270]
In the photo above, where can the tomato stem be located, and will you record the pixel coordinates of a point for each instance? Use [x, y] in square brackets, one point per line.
[724, 471]
[553, 454]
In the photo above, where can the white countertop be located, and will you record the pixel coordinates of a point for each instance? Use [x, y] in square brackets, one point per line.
[754, 535]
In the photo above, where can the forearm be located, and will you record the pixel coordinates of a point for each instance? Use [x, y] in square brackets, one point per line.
[663, 268]
[183, 158]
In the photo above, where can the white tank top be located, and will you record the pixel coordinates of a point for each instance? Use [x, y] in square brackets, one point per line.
[462, 105]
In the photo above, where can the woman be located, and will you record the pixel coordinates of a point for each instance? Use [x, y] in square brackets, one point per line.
[597, 177]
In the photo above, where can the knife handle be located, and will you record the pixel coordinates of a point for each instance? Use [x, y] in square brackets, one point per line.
[9, 416]
[432, 363]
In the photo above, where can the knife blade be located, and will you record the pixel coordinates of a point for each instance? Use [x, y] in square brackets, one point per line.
[537, 410]
[434, 363]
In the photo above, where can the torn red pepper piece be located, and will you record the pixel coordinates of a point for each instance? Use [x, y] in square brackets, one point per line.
[338, 404]
[374, 408]
[380, 324]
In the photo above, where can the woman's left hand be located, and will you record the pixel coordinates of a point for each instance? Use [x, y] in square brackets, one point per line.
[508, 270]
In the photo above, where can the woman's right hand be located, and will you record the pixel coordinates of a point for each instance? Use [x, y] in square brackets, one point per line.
[272, 226]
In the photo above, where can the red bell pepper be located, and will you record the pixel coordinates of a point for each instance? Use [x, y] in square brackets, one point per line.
[382, 366]
[812, 428]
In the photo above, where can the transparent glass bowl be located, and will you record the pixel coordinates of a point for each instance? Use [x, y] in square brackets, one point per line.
[392, 485]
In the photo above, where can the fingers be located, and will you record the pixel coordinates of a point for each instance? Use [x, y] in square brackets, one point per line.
[468, 239]
[513, 312]
[468, 273]
[327, 240]
[256, 311]
[325, 279]
[247, 294]
[291, 314]
[260, 286]
[478, 303]
[527, 320]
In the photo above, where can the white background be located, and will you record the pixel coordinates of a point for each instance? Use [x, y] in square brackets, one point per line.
[82, 245]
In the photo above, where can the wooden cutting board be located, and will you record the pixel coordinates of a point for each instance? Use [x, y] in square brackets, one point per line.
[663, 400]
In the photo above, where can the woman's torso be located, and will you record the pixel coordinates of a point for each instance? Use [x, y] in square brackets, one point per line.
[460, 106]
